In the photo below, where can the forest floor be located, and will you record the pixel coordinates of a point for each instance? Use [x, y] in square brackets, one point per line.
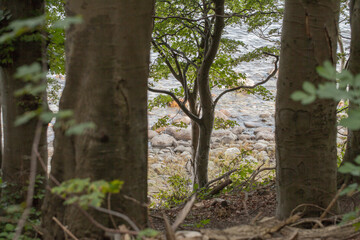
[237, 209]
[222, 211]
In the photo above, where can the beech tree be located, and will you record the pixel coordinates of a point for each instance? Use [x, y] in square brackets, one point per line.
[305, 134]
[107, 61]
[353, 139]
[188, 36]
[16, 52]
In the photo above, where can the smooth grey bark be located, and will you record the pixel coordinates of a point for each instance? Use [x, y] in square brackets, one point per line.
[305, 134]
[18, 139]
[353, 138]
[107, 61]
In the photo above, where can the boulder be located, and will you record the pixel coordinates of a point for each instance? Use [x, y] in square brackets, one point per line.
[163, 141]
[183, 134]
[183, 119]
[265, 135]
[151, 134]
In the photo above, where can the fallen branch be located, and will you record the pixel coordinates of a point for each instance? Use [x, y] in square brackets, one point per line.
[219, 187]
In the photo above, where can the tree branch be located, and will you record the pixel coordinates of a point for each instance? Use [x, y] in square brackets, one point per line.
[257, 84]
[181, 105]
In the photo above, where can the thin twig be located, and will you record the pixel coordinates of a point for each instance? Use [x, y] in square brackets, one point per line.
[109, 207]
[32, 179]
[64, 228]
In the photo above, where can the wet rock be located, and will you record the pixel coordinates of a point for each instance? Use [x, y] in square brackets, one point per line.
[151, 134]
[163, 141]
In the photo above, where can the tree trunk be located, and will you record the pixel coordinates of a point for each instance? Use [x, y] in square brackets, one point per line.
[353, 139]
[207, 105]
[305, 134]
[18, 139]
[107, 60]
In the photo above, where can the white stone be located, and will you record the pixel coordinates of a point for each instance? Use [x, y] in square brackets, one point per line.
[163, 141]
[265, 135]
[252, 124]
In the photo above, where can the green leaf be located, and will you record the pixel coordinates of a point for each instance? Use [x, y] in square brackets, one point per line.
[299, 96]
[352, 121]
[9, 227]
[349, 189]
[327, 71]
[79, 129]
[350, 168]
[26, 117]
[309, 88]
[357, 160]
[31, 72]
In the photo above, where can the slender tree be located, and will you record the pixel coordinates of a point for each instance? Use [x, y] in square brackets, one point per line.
[107, 61]
[23, 50]
[353, 139]
[188, 35]
[305, 134]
